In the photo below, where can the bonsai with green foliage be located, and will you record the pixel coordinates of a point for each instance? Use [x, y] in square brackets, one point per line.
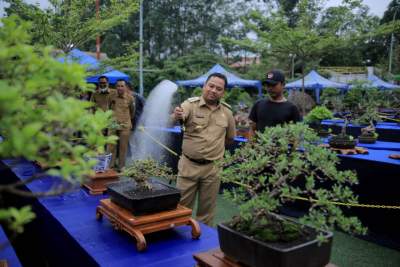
[331, 98]
[280, 165]
[368, 115]
[317, 114]
[343, 140]
[315, 117]
[141, 170]
[41, 116]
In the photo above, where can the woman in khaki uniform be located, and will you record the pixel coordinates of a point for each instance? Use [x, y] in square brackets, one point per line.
[209, 125]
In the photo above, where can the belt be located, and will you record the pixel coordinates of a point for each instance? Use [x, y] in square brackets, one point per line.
[199, 161]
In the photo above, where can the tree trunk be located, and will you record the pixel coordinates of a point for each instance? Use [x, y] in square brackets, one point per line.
[303, 90]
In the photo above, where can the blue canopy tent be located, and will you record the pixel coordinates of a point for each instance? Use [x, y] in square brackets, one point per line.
[233, 80]
[76, 55]
[381, 84]
[315, 82]
[113, 76]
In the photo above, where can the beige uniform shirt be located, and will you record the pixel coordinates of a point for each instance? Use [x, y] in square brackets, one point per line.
[103, 100]
[123, 108]
[206, 129]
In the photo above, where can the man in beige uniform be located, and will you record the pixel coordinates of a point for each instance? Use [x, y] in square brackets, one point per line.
[103, 95]
[209, 124]
[122, 105]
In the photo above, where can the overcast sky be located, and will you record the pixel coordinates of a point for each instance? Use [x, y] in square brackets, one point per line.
[377, 6]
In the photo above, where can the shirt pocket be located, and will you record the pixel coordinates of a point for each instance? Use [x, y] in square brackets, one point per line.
[199, 122]
[221, 122]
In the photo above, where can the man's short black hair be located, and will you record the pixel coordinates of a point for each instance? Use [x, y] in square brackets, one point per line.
[218, 75]
[103, 77]
[121, 80]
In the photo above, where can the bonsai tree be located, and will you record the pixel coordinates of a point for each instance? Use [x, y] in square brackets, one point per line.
[317, 114]
[343, 140]
[332, 99]
[141, 170]
[282, 164]
[41, 116]
[367, 115]
[315, 117]
[140, 194]
[368, 135]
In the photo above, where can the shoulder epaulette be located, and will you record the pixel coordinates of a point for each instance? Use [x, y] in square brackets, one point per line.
[226, 104]
[194, 99]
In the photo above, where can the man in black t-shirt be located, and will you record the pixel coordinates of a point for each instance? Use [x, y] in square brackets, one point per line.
[275, 110]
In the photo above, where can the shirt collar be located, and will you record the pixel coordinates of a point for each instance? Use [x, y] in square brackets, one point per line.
[203, 102]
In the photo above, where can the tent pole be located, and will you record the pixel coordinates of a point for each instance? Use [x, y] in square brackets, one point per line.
[98, 36]
[141, 48]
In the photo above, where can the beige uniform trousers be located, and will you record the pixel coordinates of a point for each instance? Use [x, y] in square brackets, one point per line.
[123, 140]
[202, 179]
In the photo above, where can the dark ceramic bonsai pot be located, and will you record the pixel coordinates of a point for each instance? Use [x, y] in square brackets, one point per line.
[342, 142]
[254, 253]
[366, 139]
[161, 197]
[323, 132]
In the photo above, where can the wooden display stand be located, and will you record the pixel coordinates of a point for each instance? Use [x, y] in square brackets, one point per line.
[344, 151]
[216, 258]
[96, 184]
[138, 226]
[394, 156]
[245, 133]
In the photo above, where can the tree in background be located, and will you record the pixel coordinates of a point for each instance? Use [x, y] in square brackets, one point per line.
[277, 38]
[352, 23]
[391, 14]
[73, 23]
[40, 116]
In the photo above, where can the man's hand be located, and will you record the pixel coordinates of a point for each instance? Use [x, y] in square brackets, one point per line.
[178, 114]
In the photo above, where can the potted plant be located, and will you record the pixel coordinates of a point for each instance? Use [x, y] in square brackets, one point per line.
[367, 116]
[315, 117]
[282, 164]
[368, 135]
[140, 193]
[242, 121]
[342, 140]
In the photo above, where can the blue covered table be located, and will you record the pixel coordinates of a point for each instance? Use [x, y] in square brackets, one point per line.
[387, 131]
[66, 232]
[7, 252]
[378, 145]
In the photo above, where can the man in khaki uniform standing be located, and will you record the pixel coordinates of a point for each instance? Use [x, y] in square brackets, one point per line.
[209, 125]
[123, 106]
[103, 95]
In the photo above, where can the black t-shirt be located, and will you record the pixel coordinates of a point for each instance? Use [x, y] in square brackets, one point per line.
[266, 113]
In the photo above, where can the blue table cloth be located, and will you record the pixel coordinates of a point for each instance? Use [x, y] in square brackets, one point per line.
[378, 145]
[387, 131]
[7, 251]
[71, 235]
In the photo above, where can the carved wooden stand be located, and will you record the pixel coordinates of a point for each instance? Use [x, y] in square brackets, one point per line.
[137, 226]
[344, 151]
[97, 184]
[216, 258]
[245, 133]
[394, 156]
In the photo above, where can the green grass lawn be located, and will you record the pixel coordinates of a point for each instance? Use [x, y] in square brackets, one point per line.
[347, 251]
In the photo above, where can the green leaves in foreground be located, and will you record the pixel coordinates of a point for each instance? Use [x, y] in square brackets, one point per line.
[17, 218]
